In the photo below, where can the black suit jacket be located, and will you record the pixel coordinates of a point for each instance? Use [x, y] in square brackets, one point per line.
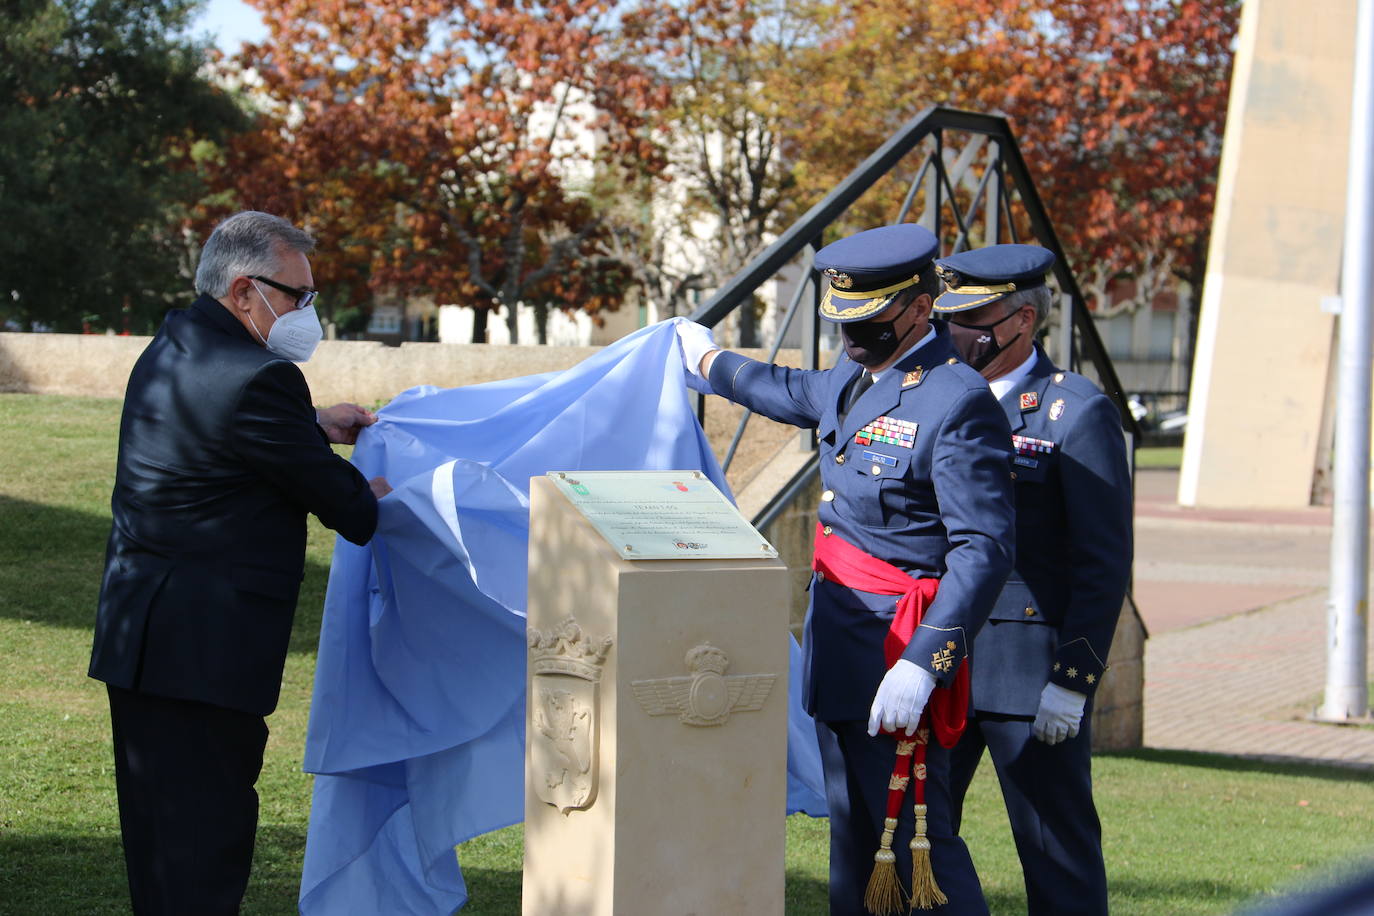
[220, 459]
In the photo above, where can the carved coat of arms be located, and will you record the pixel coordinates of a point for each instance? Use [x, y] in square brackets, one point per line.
[564, 700]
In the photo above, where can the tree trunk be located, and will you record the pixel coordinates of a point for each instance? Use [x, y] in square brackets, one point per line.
[541, 323]
[479, 324]
[748, 335]
[513, 321]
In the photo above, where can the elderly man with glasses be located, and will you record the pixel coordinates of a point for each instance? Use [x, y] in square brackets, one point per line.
[221, 456]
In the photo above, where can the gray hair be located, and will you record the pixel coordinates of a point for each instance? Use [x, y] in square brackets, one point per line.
[245, 244]
[1038, 296]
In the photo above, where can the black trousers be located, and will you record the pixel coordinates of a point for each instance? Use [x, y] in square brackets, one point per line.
[1048, 791]
[857, 770]
[188, 811]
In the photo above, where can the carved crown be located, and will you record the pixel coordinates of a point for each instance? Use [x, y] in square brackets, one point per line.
[564, 649]
[707, 657]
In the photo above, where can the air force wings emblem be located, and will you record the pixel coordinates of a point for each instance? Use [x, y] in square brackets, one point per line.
[706, 696]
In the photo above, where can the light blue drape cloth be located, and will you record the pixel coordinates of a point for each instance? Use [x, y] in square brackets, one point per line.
[417, 724]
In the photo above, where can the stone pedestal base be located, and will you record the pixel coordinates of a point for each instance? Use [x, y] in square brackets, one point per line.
[656, 748]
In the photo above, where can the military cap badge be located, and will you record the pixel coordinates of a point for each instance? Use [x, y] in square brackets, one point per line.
[839, 279]
[948, 276]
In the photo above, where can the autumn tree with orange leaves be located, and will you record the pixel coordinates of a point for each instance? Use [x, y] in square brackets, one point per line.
[558, 153]
[1122, 107]
[448, 149]
[1118, 106]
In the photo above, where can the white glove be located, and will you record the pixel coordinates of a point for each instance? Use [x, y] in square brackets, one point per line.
[901, 698]
[1061, 712]
[696, 343]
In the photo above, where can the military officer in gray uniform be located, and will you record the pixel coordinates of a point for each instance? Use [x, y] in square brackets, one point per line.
[1043, 651]
[914, 454]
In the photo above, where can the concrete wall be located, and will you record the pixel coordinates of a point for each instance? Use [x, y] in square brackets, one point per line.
[364, 372]
[1264, 345]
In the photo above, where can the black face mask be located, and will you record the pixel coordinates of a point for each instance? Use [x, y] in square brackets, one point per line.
[870, 343]
[976, 344]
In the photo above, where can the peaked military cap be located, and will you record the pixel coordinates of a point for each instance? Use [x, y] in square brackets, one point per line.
[866, 270]
[983, 275]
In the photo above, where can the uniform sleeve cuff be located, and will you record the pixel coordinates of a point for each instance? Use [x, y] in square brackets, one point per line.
[939, 650]
[1077, 667]
[723, 370]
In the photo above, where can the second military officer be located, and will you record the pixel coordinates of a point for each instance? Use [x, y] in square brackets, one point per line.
[1042, 654]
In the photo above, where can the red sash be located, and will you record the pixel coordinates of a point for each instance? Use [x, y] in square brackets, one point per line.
[846, 564]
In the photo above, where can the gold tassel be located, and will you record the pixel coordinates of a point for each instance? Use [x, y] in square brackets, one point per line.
[925, 893]
[884, 894]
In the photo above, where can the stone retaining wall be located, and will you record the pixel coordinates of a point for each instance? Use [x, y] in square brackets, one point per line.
[365, 372]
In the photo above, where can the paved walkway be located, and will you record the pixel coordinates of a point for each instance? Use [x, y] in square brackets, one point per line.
[1235, 602]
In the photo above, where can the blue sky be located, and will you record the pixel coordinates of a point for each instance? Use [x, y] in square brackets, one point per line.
[232, 21]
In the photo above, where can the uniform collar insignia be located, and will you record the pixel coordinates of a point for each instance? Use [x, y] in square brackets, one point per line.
[1030, 400]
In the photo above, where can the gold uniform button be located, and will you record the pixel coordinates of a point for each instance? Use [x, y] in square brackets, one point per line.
[1030, 612]
[877, 469]
[827, 496]
[826, 530]
[1013, 475]
[839, 459]
[951, 361]
[1059, 376]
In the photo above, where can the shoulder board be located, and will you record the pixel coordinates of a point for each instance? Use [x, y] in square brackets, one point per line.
[956, 369]
[1074, 383]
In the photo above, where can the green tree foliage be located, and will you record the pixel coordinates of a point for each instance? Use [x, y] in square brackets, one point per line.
[101, 107]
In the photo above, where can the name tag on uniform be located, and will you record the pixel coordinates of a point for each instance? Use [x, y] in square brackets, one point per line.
[1025, 462]
[877, 458]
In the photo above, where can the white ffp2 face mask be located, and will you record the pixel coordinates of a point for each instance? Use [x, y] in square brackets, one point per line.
[295, 335]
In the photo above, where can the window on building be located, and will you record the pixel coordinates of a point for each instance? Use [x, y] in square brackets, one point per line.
[386, 319]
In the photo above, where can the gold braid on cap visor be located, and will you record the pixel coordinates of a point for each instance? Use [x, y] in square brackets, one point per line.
[874, 300]
[989, 294]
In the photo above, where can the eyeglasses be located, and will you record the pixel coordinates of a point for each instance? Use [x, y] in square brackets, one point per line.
[304, 297]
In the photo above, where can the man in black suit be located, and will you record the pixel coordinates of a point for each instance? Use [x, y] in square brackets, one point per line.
[221, 455]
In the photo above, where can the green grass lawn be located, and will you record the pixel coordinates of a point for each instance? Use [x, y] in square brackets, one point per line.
[1159, 456]
[1184, 833]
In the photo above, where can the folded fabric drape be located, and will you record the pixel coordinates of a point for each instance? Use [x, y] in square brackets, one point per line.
[417, 723]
